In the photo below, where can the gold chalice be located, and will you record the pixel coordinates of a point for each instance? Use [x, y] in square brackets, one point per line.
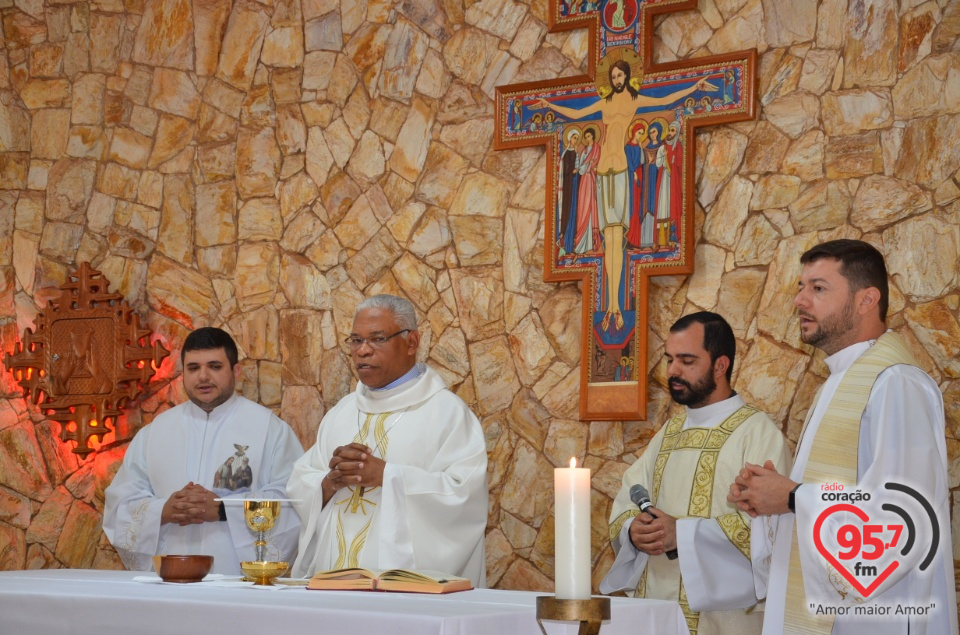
[261, 515]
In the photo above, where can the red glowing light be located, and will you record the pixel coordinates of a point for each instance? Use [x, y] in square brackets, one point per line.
[74, 326]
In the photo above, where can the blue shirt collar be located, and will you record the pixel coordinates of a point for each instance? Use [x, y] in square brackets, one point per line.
[413, 373]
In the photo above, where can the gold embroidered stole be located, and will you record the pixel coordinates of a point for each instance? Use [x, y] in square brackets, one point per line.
[709, 441]
[833, 458]
[350, 557]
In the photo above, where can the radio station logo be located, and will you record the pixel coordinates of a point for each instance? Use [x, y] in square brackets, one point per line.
[862, 545]
[865, 542]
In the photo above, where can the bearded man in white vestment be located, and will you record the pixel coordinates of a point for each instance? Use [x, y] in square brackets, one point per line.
[877, 419]
[216, 445]
[694, 548]
[397, 477]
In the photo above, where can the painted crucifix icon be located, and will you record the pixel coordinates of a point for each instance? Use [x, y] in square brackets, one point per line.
[620, 177]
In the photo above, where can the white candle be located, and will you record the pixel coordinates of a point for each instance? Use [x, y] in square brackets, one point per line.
[571, 490]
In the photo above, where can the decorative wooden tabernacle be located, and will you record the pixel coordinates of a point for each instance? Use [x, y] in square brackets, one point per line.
[620, 177]
[88, 357]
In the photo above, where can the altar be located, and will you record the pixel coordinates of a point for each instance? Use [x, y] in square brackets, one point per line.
[57, 601]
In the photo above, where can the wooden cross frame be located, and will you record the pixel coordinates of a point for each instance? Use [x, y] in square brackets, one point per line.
[620, 185]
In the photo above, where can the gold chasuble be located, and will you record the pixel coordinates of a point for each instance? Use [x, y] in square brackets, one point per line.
[833, 458]
[688, 470]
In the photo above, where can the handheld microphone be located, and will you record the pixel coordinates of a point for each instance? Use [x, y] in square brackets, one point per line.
[641, 498]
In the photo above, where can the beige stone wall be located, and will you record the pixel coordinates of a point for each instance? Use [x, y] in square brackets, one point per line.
[262, 166]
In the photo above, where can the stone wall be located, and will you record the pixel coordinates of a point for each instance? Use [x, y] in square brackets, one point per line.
[263, 165]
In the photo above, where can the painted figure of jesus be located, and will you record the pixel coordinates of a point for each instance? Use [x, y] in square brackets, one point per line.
[617, 111]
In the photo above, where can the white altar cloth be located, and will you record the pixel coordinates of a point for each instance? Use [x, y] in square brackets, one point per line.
[58, 601]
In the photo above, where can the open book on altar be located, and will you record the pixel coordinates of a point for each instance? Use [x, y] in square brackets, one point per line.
[357, 579]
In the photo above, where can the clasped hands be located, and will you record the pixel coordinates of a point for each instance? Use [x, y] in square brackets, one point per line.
[760, 490]
[192, 505]
[353, 465]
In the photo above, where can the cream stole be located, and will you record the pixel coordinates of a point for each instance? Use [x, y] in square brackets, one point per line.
[833, 458]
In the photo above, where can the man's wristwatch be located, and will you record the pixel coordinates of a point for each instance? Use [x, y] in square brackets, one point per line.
[222, 510]
[791, 500]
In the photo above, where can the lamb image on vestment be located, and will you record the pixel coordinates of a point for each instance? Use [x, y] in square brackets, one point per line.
[234, 474]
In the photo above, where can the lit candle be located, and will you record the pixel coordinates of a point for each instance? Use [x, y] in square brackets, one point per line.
[571, 490]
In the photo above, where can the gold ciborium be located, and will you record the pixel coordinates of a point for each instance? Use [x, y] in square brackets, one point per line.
[261, 515]
[263, 572]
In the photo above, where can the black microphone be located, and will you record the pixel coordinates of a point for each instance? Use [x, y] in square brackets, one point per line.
[641, 498]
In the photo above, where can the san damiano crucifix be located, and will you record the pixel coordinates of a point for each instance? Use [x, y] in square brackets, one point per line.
[620, 187]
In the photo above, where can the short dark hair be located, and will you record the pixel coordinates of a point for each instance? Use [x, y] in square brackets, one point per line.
[718, 337]
[207, 338]
[860, 263]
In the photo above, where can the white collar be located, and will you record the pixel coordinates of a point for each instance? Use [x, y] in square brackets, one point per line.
[709, 416]
[843, 359]
[406, 395]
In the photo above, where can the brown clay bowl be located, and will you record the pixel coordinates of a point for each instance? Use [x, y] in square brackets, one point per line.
[184, 568]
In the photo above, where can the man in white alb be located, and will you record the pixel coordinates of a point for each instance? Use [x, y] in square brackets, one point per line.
[398, 475]
[878, 419]
[686, 468]
[216, 445]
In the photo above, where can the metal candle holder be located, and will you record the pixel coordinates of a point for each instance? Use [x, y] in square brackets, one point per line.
[590, 613]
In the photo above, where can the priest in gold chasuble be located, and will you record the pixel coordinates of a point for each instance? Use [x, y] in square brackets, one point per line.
[685, 468]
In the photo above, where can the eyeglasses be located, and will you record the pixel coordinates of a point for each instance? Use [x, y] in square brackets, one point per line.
[375, 342]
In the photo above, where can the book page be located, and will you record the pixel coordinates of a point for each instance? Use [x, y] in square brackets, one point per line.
[355, 573]
[422, 575]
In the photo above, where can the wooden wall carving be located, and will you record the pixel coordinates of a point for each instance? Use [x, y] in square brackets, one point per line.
[88, 357]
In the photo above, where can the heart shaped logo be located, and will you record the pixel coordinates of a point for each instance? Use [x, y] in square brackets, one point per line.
[850, 577]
